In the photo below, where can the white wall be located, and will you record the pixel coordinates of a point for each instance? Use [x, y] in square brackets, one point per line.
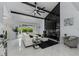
[1, 12]
[68, 10]
[41, 26]
[8, 22]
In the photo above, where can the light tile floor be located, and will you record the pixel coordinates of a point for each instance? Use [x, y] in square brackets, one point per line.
[56, 50]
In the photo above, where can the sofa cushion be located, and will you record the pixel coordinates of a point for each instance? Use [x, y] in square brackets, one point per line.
[72, 37]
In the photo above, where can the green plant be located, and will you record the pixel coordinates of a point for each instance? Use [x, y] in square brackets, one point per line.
[24, 29]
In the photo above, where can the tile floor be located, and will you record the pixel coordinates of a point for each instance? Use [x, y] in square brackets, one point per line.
[56, 50]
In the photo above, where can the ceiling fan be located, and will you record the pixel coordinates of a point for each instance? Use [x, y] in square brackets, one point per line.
[37, 10]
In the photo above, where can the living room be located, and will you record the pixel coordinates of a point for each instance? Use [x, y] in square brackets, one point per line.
[29, 29]
[24, 22]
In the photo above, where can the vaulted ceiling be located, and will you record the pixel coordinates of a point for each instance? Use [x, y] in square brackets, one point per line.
[27, 9]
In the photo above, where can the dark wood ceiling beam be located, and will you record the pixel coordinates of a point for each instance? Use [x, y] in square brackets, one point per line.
[26, 15]
[38, 7]
[14, 12]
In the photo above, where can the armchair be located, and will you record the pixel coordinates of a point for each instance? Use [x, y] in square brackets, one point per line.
[71, 41]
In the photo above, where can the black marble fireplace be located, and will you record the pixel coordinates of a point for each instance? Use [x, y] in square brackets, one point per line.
[52, 23]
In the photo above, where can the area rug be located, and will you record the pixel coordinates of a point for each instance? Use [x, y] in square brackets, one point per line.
[47, 44]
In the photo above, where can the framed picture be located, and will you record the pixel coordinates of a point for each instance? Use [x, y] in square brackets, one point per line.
[68, 22]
